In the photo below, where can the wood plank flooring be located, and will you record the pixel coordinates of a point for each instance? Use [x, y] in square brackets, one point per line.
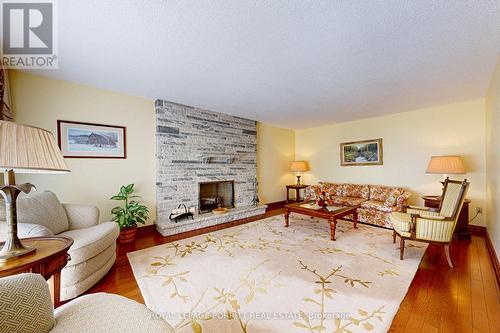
[463, 299]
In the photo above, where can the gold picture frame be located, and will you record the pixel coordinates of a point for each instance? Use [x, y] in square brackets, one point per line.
[362, 153]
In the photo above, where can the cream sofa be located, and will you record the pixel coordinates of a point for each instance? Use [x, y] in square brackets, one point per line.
[26, 307]
[93, 252]
[376, 202]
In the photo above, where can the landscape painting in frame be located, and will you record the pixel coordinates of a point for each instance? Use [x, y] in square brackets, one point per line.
[367, 152]
[85, 140]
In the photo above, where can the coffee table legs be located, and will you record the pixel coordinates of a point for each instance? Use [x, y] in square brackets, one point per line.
[287, 215]
[333, 226]
[355, 215]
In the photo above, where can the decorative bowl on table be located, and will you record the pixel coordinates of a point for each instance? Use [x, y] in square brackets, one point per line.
[220, 210]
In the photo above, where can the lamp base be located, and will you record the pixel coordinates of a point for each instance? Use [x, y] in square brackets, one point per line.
[298, 180]
[13, 249]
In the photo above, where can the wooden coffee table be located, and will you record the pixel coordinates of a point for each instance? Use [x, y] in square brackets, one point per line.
[49, 259]
[336, 212]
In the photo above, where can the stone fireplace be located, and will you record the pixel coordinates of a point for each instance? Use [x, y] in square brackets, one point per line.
[194, 148]
[216, 194]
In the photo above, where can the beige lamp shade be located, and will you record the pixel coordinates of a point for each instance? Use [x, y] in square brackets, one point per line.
[27, 149]
[299, 166]
[446, 165]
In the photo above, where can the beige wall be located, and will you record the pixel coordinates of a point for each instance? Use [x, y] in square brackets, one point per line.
[275, 151]
[493, 158]
[410, 138]
[41, 102]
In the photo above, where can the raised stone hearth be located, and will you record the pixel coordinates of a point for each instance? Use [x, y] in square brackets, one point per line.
[196, 146]
[209, 219]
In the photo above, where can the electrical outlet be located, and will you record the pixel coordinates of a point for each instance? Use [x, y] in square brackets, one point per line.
[479, 210]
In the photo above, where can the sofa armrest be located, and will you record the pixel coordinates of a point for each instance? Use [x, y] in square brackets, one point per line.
[81, 216]
[402, 201]
[25, 230]
[311, 192]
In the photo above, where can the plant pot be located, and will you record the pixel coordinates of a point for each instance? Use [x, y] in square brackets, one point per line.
[127, 235]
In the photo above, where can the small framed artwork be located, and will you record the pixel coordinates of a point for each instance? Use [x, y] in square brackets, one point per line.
[86, 140]
[367, 152]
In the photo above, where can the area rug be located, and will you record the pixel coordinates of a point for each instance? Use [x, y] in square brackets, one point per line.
[268, 278]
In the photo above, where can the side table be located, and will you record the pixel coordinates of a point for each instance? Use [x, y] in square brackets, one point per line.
[49, 259]
[297, 189]
[462, 227]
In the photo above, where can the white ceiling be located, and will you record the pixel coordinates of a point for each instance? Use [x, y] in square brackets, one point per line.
[290, 63]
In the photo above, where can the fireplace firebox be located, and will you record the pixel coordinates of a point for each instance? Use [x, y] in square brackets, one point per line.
[216, 194]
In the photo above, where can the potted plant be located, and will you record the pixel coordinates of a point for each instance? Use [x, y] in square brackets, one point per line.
[130, 215]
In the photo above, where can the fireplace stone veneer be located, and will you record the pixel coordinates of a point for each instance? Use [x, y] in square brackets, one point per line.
[196, 146]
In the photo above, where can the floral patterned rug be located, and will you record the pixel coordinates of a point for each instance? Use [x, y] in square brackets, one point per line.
[268, 278]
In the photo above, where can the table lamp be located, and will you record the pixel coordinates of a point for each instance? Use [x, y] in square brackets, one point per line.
[23, 149]
[446, 165]
[298, 167]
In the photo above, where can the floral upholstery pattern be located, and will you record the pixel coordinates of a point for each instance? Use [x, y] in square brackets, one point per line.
[375, 217]
[356, 191]
[382, 193]
[378, 206]
[347, 201]
[332, 189]
[377, 202]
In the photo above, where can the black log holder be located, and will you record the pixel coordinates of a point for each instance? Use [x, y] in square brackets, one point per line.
[182, 216]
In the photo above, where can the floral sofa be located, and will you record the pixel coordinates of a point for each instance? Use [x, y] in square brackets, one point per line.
[376, 202]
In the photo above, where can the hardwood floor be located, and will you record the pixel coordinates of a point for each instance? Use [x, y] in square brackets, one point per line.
[463, 299]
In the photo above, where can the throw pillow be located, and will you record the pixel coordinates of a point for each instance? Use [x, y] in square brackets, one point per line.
[392, 199]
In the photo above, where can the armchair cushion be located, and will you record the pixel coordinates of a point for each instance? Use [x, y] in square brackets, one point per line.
[401, 223]
[25, 304]
[90, 242]
[42, 208]
[107, 313]
[81, 216]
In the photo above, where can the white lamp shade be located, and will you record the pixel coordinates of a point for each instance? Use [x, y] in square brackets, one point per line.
[446, 165]
[27, 149]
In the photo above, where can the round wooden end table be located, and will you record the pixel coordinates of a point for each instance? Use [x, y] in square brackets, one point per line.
[49, 259]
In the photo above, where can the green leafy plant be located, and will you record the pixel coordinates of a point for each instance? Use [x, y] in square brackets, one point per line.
[133, 213]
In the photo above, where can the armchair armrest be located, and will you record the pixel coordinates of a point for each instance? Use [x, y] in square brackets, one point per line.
[422, 211]
[81, 216]
[26, 305]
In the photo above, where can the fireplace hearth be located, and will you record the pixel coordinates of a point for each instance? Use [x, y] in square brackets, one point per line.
[216, 194]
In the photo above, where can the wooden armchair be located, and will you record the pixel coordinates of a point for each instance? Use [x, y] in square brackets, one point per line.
[432, 226]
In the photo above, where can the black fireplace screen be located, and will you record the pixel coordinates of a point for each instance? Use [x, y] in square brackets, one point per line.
[216, 194]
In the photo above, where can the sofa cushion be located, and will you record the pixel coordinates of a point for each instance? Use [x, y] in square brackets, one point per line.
[372, 204]
[108, 313]
[90, 242]
[381, 193]
[356, 191]
[347, 201]
[332, 188]
[25, 304]
[42, 208]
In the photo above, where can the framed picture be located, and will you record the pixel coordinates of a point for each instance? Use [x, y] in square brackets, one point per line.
[367, 152]
[86, 140]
